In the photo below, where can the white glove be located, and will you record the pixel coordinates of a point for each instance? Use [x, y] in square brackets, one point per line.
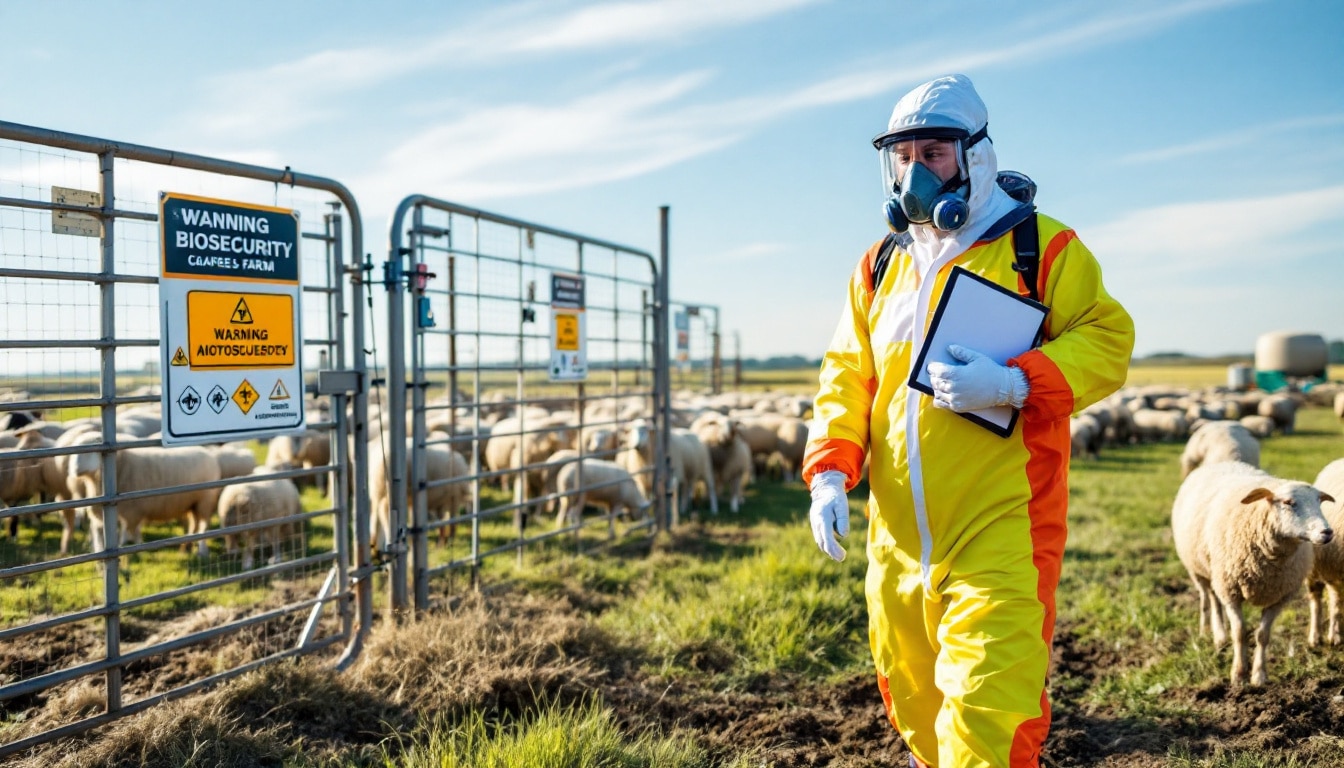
[830, 511]
[980, 383]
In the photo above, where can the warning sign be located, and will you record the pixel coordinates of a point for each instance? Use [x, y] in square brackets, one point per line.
[231, 314]
[278, 392]
[245, 396]
[241, 314]
[566, 331]
[232, 330]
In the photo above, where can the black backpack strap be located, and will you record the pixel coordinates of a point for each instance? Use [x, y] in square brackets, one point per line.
[883, 259]
[1027, 247]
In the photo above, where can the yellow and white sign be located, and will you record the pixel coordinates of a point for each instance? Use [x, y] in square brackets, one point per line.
[569, 331]
[229, 300]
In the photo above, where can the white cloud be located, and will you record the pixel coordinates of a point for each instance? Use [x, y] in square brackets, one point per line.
[1232, 140]
[280, 99]
[1187, 238]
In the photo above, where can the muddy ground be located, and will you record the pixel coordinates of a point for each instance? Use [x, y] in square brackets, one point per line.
[504, 652]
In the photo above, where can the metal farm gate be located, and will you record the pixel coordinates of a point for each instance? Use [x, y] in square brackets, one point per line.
[105, 634]
[530, 348]
[697, 349]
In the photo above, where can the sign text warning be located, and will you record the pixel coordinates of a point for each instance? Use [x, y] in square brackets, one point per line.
[240, 330]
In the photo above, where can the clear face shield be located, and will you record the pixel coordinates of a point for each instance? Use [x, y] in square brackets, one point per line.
[925, 177]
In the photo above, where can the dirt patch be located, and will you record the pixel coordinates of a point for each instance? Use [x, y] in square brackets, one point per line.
[506, 653]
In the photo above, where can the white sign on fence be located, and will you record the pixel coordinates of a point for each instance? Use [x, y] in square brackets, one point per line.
[569, 331]
[230, 310]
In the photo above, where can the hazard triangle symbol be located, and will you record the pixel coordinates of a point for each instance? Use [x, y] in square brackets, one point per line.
[180, 358]
[241, 314]
[278, 392]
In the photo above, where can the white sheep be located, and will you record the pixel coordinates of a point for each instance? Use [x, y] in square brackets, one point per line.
[595, 481]
[1159, 425]
[234, 461]
[1085, 436]
[1220, 441]
[1245, 537]
[307, 449]
[443, 499]
[1260, 426]
[1282, 409]
[691, 454]
[143, 469]
[728, 453]
[1327, 570]
[272, 499]
[1339, 405]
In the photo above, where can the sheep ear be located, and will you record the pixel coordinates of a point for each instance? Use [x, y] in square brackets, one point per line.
[1326, 497]
[1258, 494]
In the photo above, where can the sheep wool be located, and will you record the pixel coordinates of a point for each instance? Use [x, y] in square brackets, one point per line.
[1245, 537]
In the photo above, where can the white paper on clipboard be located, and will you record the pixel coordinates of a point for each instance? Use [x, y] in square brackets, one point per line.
[982, 315]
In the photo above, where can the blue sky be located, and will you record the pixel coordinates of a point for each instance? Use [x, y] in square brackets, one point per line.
[1197, 147]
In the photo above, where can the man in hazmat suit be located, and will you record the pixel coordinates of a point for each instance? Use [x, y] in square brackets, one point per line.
[966, 528]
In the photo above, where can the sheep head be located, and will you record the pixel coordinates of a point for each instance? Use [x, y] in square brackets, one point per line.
[1296, 511]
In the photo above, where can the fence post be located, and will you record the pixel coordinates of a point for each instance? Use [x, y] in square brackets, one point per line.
[662, 381]
[393, 422]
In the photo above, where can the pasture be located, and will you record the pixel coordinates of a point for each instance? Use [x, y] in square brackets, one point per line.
[732, 641]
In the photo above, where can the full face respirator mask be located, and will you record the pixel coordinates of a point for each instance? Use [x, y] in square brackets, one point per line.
[917, 195]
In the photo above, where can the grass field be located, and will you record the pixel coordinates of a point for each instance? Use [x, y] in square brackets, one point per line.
[734, 642]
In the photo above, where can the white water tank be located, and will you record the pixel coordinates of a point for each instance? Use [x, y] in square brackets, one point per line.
[1293, 353]
[1240, 377]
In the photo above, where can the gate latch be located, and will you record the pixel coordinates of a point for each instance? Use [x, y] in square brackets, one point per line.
[424, 316]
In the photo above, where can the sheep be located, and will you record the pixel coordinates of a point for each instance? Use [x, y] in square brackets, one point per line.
[1339, 405]
[441, 499]
[234, 462]
[1327, 569]
[595, 481]
[729, 455]
[542, 438]
[1153, 424]
[1260, 426]
[273, 499]
[690, 453]
[143, 469]
[1244, 537]
[1220, 441]
[1282, 409]
[1085, 436]
[309, 448]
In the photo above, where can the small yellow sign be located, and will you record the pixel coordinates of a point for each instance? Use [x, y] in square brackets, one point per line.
[245, 396]
[226, 329]
[180, 358]
[278, 392]
[566, 332]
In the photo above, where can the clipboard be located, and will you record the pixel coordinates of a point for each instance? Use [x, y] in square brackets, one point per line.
[979, 313]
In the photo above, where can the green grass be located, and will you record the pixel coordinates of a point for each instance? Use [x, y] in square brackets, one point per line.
[549, 737]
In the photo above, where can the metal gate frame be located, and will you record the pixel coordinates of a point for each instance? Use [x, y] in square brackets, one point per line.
[404, 265]
[343, 584]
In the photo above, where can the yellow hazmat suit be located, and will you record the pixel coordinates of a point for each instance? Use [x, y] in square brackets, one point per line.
[966, 529]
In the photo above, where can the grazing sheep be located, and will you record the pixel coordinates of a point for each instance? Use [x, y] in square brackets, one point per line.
[443, 499]
[1327, 570]
[1157, 425]
[594, 481]
[234, 462]
[1245, 537]
[143, 469]
[273, 499]
[729, 455]
[692, 456]
[1260, 426]
[307, 449]
[541, 439]
[1085, 436]
[1220, 441]
[1282, 409]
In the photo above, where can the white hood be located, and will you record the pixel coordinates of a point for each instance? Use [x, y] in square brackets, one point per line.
[951, 102]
